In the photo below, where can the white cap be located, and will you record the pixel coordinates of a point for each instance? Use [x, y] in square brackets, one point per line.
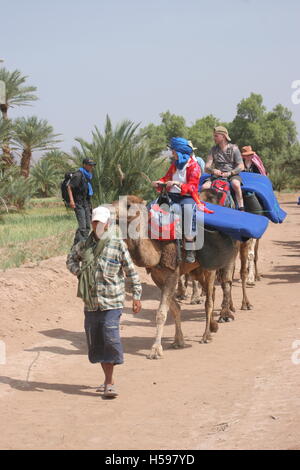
[101, 214]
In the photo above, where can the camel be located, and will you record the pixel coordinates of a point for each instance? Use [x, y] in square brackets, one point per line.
[160, 260]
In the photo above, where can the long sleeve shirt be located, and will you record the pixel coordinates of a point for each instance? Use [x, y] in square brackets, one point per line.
[115, 260]
[192, 176]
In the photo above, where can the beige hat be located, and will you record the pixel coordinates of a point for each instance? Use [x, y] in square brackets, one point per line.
[191, 145]
[101, 214]
[222, 130]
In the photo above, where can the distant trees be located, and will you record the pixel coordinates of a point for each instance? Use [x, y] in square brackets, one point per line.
[32, 134]
[129, 157]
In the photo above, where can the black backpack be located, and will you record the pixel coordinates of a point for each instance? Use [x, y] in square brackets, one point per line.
[64, 187]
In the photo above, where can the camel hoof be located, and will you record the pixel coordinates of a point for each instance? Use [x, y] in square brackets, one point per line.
[250, 283]
[156, 353]
[222, 320]
[206, 340]
[177, 345]
[247, 307]
[229, 319]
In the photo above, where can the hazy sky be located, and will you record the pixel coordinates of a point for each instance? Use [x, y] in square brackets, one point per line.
[135, 58]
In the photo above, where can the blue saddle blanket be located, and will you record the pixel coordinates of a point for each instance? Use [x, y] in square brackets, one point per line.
[261, 186]
[238, 225]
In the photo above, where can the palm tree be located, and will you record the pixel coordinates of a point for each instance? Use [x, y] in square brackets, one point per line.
[32, 134]
[44, 178]
[123, 162]
[5, 135]
[59, 159]
[16, 93]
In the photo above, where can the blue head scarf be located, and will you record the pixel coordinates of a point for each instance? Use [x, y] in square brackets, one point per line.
[183, 150]
[88, 177]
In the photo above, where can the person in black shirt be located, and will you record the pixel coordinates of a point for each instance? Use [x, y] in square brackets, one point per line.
[80, 191]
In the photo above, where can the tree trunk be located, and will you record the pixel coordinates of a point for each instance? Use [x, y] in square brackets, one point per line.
[3, 109]
[25, 162]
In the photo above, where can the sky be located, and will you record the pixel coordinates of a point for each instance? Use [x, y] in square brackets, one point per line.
[133, 59]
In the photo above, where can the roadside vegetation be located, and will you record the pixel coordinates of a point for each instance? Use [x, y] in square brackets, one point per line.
[34, 223]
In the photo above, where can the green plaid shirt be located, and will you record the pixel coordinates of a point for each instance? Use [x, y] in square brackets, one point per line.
[113, 262]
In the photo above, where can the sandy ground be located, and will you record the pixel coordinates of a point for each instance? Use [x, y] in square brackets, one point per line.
[239, 392]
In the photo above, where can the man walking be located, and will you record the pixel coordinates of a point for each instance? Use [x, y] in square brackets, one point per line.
[100, 263]
[80, 192]
[225, 161]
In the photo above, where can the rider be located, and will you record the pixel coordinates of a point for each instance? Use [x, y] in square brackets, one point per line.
[227, 163]
[252, 162]
[182, 180]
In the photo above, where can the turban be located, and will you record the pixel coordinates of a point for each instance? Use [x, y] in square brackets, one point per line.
[183, 150]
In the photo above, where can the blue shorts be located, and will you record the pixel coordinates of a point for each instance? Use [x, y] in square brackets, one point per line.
[103, 336]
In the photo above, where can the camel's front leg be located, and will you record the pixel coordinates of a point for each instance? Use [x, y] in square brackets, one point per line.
[257, 275]
[246, 305]
[251, 262]
[176, 312]
[211, 325]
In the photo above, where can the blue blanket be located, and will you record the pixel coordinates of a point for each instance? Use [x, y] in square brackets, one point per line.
[262, 187]
[239, 225]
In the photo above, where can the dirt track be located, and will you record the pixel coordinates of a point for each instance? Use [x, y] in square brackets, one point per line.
[240, 392]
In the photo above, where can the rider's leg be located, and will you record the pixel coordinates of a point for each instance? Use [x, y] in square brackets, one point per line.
[236, 185]
[190, 230]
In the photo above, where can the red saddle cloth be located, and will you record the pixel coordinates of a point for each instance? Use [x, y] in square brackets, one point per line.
[163, 224]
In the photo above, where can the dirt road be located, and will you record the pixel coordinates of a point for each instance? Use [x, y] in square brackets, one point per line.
[239, 392]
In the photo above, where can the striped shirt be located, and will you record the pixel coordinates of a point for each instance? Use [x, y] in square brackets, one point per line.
[115, 260]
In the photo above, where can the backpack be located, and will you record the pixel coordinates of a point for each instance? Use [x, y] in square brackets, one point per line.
[64, 188]
[222, 188]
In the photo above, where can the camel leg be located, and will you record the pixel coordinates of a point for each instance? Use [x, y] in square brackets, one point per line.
[167, 282]
[176, 312]
[225, 276]
[182, 287]
[226, 314]
[251, 262]
[196, 296]
[211, 324]
[246, 305]
[257, 275]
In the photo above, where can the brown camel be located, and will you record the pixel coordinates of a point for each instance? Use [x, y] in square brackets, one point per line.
[160, 259]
